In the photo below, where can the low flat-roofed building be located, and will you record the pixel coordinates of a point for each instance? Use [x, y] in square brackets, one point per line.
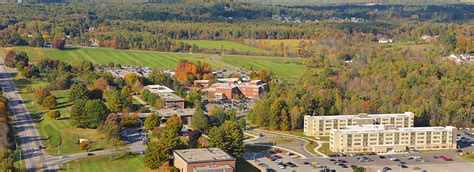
[232, 88]
[171, 100]
[388, 139]
[185, 114]
[203, 160]
[322, 125]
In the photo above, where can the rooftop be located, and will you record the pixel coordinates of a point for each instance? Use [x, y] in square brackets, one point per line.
[362, 115]
[213, 167]
[388, 128]
[180, 112]
[159, 89]
[203, 155]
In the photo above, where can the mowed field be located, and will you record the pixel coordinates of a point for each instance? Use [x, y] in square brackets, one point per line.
[162, 60]
[227, 45]
[285, 68]
[129, 163]
[60, 130]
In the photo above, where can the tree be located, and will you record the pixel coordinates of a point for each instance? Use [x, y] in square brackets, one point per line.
[242, 124]
[96, 112]
[175, 123]
[285, 120]
[117, 102]
[193, 138]
[10, 59]
[77, 91]
[58, 43]
[30, 71]
[85, 145]
[152, 121]
[159, 152]
[78, 115]
[22, 57]
[7, 160]
[37, 41]
[54, 114]
[111, 127]
[200, 120]
[130, 119]
[50, 102]
[228, 137]
[41, 94]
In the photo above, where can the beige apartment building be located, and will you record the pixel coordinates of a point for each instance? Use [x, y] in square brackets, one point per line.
[387, 138]
[322, 125]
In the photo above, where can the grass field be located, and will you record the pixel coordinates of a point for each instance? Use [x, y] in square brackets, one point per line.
[227, 45]
[282, 141]
[52, 130]
[468, 157]
[161, 60]
[129, 163]
[325, 149]
[285, 68]
[277, 42]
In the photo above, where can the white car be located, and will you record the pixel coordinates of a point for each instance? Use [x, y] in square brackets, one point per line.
[393, 159]
[282, 167]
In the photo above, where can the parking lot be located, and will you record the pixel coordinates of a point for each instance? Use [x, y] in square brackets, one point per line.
[410, 161]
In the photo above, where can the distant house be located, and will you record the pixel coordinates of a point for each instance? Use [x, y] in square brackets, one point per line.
[461, 58]
[203, 160]
[385, 41]
[428, 38]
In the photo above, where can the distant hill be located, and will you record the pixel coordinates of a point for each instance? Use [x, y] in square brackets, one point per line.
[368, 2]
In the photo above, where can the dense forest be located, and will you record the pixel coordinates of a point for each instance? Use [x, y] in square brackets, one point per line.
[160, 26]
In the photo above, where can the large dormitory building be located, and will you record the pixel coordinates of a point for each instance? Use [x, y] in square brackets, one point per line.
[379, 133]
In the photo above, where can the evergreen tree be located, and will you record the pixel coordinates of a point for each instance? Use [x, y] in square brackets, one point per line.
[228, 137]
[152, 121]
[77, 91]
[200, 120]
[96, 112]
[285, 120]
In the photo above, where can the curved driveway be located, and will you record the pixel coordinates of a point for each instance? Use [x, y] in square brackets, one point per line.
[295, 147]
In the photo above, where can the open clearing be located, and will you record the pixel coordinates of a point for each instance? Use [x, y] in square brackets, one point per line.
[129, 163]
[163, 60]
[285, 68]
[226, 45]
[57, 131]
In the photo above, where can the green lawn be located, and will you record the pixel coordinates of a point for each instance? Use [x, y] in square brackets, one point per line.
[57, 131]
[310, 148]
[468, 157]
[286, 68]
[129, 163]
[283, 141]
[325, 149]
[163, 60]
[227, 45]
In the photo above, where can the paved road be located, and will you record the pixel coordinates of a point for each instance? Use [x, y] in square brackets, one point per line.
[28, 136]
[296, 147]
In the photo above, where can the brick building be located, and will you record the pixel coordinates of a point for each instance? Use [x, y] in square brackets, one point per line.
[232, 88]
[203, 160]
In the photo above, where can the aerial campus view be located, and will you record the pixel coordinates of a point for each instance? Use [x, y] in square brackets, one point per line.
[237, 85]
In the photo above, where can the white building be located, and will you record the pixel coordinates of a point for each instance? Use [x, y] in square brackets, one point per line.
[386, 138]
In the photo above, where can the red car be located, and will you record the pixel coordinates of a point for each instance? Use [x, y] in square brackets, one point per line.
[447, 159]
[271, 158]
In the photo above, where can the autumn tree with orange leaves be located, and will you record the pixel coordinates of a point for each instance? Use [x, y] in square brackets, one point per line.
[187, 72]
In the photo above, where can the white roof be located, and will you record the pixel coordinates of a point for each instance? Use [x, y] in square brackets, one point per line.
[159, 89]
[333, 117]
[388, 129]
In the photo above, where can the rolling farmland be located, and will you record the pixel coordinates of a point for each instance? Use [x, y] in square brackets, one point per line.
[162, 60]
[227, 45]
[285, 68]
